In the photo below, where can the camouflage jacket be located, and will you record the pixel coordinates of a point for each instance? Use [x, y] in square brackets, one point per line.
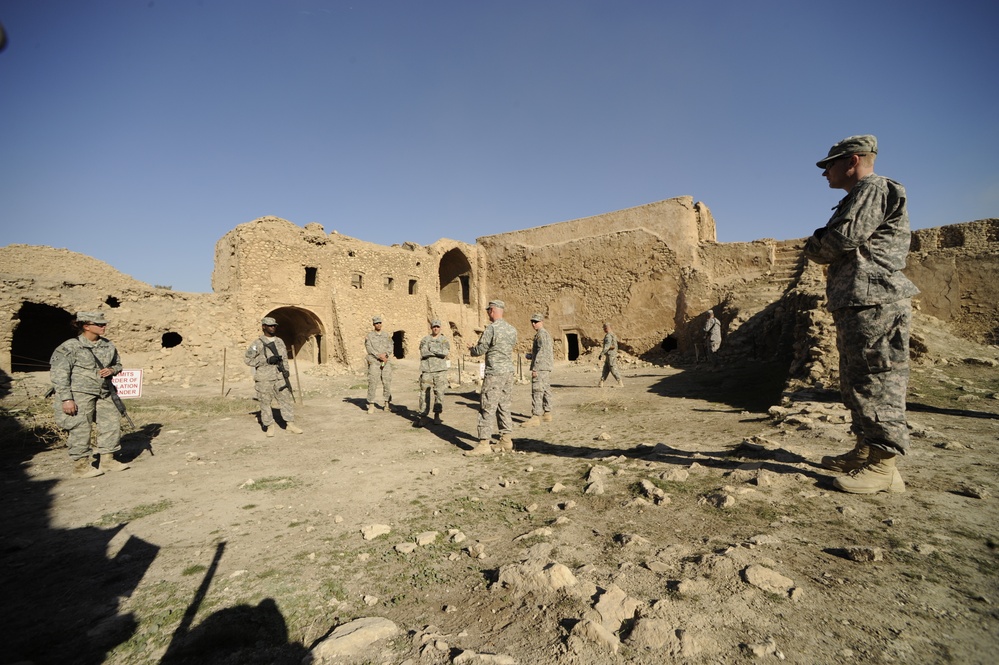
[377, 343]
[74, 367]
[712, 330]
[433, 353]
[256, 357]
[865, 244]
[496, 344]
[542, 353]
[610, 345]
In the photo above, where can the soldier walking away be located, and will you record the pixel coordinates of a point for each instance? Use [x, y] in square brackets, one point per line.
[496, 344]
[434, 351]
[542, 358]
[865, 245]
[609, 354]
[268, 356]
[378, 345]
[81, 373]
[712, 338]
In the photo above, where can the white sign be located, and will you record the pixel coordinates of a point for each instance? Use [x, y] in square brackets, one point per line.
[128, 382]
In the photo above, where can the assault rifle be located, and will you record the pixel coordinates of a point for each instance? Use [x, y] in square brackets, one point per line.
[280, 365]
[114, 392]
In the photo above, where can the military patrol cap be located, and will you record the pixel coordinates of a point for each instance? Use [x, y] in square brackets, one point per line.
[268, 321]
[376, 319]
[537, 317]
[91, 317]
[852, 145]
[498, 304]
[436, 323]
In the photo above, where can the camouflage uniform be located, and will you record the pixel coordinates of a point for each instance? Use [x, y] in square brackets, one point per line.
[542, 363]
[74, 376]
[712, 338]
[268, 380]
[376, 343]
[865, 245]
[496, 344]
[433, 372]
[609, 353]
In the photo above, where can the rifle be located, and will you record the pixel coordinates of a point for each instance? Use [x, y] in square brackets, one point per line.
[115, 399]
[280, 365]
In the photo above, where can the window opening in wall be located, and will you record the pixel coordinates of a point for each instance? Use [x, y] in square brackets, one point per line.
[171, 339]
[399, 343]
[465, 289]
[389, 283]
[412, 287]
[357, 280]
[669, 343]
[351, 253]
[310, 276]
[571, 346]
[112, 302]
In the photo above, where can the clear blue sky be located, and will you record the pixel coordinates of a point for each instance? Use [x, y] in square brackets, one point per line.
[140, 132]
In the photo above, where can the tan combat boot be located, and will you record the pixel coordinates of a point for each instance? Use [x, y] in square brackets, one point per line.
[620, 384]
[481, 448]
[84, 469]
[371, 408]
[294, 429]
[269, 430]
[848, 461]
[877, 475]
[533, 421]
[547, 417]
[109, 463]
[600, 384]
[505, 443]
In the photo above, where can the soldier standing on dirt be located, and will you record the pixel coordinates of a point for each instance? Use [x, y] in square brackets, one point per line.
[378, 346]
[434, 350]
[81, 371]
[712, 338]
[865, 245]
[542, 362]
[268, 356]
[496, 344]
[609, 354]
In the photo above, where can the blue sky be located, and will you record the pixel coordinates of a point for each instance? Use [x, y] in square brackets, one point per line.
[141, 132]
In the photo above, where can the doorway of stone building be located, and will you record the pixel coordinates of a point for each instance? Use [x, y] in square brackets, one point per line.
[399, 344]
[455, 275]
[303, 333]
[39, 330]
[571, 344]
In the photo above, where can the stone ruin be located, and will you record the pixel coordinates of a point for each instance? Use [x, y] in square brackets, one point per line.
[652, 271]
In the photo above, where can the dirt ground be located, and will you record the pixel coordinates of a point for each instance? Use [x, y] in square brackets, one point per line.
[222, 546]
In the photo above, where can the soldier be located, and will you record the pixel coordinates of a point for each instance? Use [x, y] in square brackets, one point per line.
[496, 344]
[378, 345]
[434, 350]
[712, 338]
[609, 354]
[268, 356]
[865, 245]
[542, 358]
[81, 371]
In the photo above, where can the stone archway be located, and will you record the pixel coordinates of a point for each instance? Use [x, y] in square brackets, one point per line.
[40, 329]
[455, 274]
[303, 333]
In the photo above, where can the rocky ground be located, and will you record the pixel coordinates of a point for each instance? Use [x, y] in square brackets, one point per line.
[680, 518]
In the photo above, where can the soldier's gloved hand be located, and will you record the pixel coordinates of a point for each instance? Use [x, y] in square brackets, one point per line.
[274, 360]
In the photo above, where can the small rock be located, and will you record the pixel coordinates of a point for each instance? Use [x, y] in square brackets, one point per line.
[557, 487]
[372, 531]
[405, 548]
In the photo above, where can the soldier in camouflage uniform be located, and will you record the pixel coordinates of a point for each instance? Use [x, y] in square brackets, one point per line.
[379, 347]
[609, 354]
[542, 358]
[81, 371]
[865, 245]
[434, 350]
[268, 355]
[496, 344]
[712, 338]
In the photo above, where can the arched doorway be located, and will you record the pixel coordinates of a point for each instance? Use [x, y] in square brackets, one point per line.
[455, 274]
[303, 334]
[41, 328]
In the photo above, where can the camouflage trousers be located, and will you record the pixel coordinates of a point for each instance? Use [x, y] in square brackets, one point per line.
[271, 391]
[379, 373]
[494, 404]
[541, 392]
[435, 382]
[90, 409]
[873, 344]
[610, 368]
